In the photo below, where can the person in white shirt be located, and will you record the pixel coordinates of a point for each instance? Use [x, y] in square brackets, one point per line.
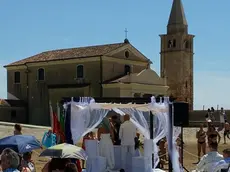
[209, 161]
[127, 135]
[222, 119]
[224, 164]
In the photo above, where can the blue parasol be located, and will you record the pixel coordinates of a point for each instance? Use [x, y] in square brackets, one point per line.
[20, 143]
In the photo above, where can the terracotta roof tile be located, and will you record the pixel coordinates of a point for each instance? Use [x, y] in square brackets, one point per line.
[70, 53]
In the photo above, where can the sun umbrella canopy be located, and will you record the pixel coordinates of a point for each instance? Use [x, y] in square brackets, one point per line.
[20, 143]
[65, 151]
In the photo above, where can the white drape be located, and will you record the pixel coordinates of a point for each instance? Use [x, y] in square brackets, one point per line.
[171, 137]
[84, 118]
[87, 115]
[137, 118]
[160, 125]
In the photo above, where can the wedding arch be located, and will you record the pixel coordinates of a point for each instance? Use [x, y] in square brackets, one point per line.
[86, 113]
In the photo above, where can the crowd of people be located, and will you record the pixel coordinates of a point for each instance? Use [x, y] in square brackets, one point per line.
[12, 161]
[110, 132]
[213, 161]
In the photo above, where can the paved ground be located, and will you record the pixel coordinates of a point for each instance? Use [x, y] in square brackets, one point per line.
[190, 151]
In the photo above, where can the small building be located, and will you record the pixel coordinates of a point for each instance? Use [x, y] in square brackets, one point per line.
[13, 111]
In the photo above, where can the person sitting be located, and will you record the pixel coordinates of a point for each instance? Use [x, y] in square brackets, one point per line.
[9, 160]
[223, 165]
[17, 129]
[70, 167]
[26, 163]
[56, 164]
[210, 159]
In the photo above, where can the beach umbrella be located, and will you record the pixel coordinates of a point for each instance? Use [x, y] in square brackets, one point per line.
[20, 143]
[65, 150]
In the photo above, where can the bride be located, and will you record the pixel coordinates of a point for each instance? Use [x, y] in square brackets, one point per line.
[105, 136]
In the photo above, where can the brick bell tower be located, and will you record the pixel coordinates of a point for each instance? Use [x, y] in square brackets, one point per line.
[177, 55]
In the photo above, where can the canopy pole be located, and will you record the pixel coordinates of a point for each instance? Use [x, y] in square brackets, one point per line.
[152, 133]
[170, 167]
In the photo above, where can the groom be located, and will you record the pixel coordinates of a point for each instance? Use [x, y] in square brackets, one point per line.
[127, 135]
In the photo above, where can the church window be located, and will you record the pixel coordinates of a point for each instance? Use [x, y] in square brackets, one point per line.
[127, 54]
[186, 84]
[17, 77]
[13, 114]
[186, 44]
[186, 99]
[127, 69]
[170, 44]
[41, 74]
[174, 43]
[80, 71]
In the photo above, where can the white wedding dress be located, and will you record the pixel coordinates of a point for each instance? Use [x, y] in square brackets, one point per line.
[106, 150]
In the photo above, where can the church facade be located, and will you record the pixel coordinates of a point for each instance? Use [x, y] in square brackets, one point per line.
[111, 70]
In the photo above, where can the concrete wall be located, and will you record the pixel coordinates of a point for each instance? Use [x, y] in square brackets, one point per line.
[39, 95]
[10, 114]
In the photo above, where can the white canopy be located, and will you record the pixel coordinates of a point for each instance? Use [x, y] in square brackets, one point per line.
[87, 115]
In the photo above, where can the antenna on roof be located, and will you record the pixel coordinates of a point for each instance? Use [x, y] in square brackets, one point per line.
[126, 36]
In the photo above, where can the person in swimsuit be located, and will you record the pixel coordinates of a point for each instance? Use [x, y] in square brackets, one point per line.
[226, 131]
[213, 135]
[201, 141]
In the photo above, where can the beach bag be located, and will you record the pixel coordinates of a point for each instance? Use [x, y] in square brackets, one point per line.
[49, 139]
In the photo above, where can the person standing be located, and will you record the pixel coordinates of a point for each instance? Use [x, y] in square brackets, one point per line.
[222, 119]
[105, 137]
[127, 135]
[226, 131]
[116, 128]
[201, 141]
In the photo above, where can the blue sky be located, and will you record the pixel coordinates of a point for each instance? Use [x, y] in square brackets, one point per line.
[29, 27]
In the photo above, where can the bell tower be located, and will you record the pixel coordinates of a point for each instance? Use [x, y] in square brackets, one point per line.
[177, 55]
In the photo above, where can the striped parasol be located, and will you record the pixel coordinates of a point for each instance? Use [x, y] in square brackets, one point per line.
[65, 150]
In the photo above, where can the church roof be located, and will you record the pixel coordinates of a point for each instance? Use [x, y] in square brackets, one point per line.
[141, 78]
[71, 53]
[177, 15]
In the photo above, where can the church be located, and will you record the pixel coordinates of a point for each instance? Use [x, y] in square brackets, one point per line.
[110, 70]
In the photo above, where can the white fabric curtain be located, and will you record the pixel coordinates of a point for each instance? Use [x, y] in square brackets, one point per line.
[85, 117]
[160, 125]
[137, 118]
[171, 138]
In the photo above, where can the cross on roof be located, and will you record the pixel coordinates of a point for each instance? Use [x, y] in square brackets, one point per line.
[126, 33]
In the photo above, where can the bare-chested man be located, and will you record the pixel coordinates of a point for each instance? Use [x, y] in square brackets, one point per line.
[226, 131]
